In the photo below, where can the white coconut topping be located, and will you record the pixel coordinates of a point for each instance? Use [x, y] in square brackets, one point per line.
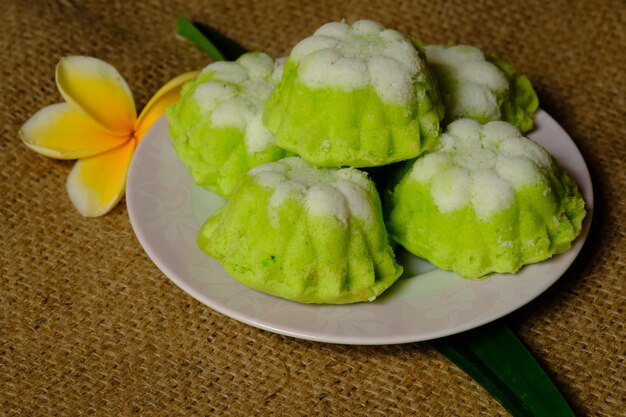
[333, 30]
[339, 193]
[454, 55]
[235, 96]
[325, 200]
[481, 166]
[381, 71]
[518, 171]
[450, 189]
[464, 133]
[474, 82]
[313, 44]
[489, 194]
[473, 99]
[367, 27]
[228, 71]
[483, 73]
[354, 56]
[356, 197]
[210, 94]
[328, 68]
[235, 112]
[496, 132]
[258, 66]
[526, 149]
[428, 166]
[257, 136]
[269, 179]
[283, 190]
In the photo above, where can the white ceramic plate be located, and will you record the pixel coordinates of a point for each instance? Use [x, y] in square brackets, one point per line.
[166, 210]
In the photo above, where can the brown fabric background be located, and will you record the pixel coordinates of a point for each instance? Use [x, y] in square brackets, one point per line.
[89, 326]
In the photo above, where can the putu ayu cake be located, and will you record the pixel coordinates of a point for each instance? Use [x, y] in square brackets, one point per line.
[481, 87]
[217, 126]
[487, 200]
[355, 95]
[313, 235]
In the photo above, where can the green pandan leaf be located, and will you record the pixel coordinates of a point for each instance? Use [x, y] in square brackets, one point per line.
[218, 46]
[189, 31]
[498, 361]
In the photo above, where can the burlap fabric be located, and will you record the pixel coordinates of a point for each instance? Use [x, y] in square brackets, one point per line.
[89, 326]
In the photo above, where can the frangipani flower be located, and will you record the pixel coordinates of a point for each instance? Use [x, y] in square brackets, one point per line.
[98, 125]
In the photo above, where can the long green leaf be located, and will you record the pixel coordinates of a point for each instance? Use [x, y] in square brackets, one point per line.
[189, 31]
[498, 361]
[218, 46]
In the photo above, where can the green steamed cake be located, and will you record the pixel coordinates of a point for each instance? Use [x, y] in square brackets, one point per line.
[481, 88]
[355, 95]
[217, 127]
[487, 200]
[302, 233]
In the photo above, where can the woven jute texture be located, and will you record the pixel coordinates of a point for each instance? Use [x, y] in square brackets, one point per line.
[89, 326]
